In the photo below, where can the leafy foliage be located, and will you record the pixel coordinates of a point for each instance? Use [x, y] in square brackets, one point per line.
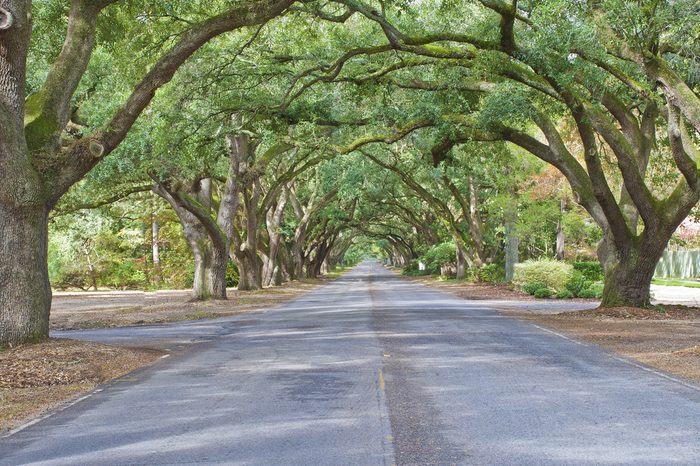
[550, 273]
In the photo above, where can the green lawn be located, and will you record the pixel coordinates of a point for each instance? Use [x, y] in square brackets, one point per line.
[670, 282]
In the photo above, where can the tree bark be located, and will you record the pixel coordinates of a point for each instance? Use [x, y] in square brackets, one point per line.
[271, 269]
[512, 241]
[250, 266]
[248, 270]
[561, 238]
[628, 273]
[210, 271]
[210, 257]
[155, 249]
[461, 261]
[25, 293]
[210, 263]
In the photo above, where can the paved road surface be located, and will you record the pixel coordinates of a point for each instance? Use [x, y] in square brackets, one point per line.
[371, 370]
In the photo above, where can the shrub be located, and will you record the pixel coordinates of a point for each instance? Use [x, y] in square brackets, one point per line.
[439, 255]
[578, 283]
[411, 270]
[565, 294]
[492, 273]
[588, 294]
[127, 274]
[591, 270]
[72, 278]
[553, 274]
[471, 274]
[595, 291]
[543, 293]
[414, 272]
[411, 267]
[530, 288]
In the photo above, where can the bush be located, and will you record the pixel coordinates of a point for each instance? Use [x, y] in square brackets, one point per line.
[543, 293]
[595, 291]
[566, 294]
[411, 270]
[127, 274]
[411, 267]
[531, 288]
[588, 294]
[591, 270]
[492, 273]
[578, 283]
[72, 278]
[471, 274]
[551, 273]
[439, 255]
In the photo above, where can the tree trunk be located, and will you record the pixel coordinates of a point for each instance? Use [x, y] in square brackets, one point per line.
[297, 261]
[249, 270]
[461, 271]
[628, 274]
[209, 271]
[25, 293]
[283, 264]
[155, 250]
[210, 262]
[512, 243]
[476, 228]
[561, 238]
[271, 269]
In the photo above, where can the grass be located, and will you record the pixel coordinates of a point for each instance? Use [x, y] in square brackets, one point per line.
[665, 282]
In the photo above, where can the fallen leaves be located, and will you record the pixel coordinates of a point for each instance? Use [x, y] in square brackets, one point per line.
[33, 378]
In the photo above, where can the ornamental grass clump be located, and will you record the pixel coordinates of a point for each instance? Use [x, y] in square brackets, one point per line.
[547, 273]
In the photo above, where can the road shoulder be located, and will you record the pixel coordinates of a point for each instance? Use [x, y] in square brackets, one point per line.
[38, 379]
[667, 339]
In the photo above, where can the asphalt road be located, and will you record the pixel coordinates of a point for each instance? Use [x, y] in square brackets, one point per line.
[371, 370]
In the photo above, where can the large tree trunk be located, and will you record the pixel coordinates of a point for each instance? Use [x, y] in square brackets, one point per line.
[25, 293]
[249, 270]
[628, 273]
[476, 228]
[315, 266]
[210, 269]
[210, 265]
[250, 266]
[210, 261]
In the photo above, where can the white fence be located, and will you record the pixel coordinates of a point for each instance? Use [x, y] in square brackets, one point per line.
[679, 264]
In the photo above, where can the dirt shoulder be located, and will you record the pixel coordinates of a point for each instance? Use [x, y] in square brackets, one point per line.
[668, 340]
[666, 337]
[119, 309]
[35, 379]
